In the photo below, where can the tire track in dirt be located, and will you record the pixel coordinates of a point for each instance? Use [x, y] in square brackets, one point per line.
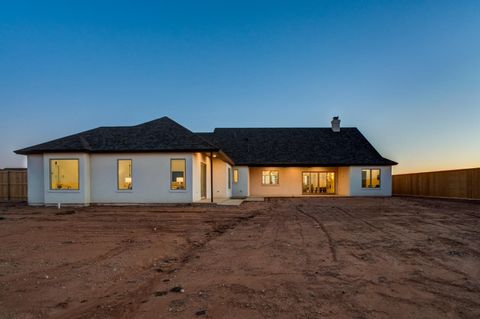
[372, 226]
[331, 243]
[273, 206]
[127, 305]
[429, 260]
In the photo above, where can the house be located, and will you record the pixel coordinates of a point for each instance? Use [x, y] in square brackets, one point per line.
[163, 162]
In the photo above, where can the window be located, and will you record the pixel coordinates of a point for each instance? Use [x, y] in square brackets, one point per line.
[124, 174]
[64, 174]
[317, 183]
[269, 177]
[370, 178]
[229, 178]
[177, 169]
[235, 176]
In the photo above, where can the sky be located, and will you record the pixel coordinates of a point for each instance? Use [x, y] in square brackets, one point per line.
[406, 73]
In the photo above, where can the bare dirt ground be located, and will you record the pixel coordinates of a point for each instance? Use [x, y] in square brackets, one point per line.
[283, 258]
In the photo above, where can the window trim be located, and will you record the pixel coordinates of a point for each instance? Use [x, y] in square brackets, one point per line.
[271, 170]
[184, 177]
[131, 174]
[73, 190]
[371, 169]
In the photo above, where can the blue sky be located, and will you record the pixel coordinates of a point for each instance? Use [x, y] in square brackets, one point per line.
[407, 73]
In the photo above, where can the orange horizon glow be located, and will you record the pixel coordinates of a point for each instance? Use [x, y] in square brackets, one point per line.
[409, 170]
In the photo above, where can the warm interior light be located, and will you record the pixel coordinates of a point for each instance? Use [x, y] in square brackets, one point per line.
[214, 155]
[179, 179]
[128, 179]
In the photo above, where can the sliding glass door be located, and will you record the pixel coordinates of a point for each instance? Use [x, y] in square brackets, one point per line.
[318, 183]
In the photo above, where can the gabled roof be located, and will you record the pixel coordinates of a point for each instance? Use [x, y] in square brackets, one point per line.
[296, 147]
[160, 135]
[241, 146]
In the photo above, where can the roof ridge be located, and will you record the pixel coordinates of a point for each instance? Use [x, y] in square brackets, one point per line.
[266, 128]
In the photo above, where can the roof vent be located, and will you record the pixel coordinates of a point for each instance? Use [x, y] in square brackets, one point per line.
[335, 124]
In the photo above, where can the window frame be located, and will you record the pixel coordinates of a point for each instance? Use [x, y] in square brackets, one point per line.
[370, 181]
[50, 173]
[131, 174]
[270, 177]
[184, 175]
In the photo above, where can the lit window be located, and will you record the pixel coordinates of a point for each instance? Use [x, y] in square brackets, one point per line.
[229, 178]
[316, 183]
[235, 176]
[64, 174]
[370, 178]
[269, 177]
[124, 174]
[177, 169]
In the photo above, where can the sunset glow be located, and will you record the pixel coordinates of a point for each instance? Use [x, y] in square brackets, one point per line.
[407, 74]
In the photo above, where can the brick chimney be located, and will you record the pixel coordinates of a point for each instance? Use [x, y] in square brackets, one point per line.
[335, 124]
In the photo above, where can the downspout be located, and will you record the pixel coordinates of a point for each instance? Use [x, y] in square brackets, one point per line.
[211, 177]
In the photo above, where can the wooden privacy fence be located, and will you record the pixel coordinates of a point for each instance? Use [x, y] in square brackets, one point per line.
[461, 183]
[13, 185]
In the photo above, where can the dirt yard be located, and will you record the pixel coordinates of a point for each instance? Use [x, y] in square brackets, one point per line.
[283, 258]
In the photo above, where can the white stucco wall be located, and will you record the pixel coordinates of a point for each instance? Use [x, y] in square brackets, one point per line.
[343, 181]
[35, 179]
[80, 196]
[356, 181]
[150, 178]
[241, 188]
[220, 179]
[198, 159]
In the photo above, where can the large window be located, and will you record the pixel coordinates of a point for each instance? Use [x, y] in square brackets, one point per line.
[269, 177]
[64, 174]
[370, 178]
[177, 169]
[124, 174]
[317, 183]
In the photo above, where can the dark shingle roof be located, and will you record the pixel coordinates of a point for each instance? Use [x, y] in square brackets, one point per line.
[296, 146]
[245, 146]
[159, 135]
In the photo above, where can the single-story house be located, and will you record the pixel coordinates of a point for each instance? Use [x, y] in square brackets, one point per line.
[163, 162]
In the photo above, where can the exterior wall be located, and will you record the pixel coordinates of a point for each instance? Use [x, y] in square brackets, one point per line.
[81, 196]
[385, 181]
[343, 181]
[35, 179]
[241, 188]
[290, 181]
[198, 159]
[220, 179]
[150, 178]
